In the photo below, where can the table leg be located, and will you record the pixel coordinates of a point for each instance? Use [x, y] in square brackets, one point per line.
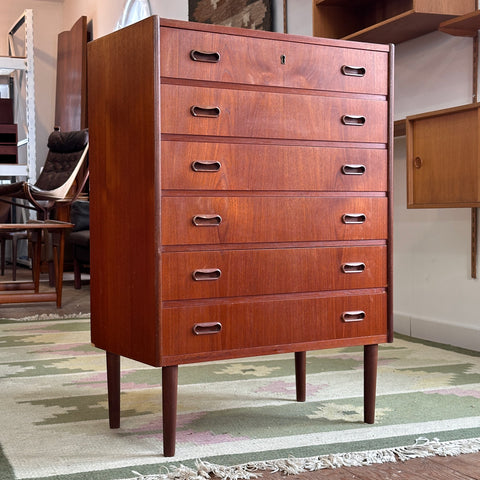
[58, 244]
[370, 356]
[36, 239]
[301, 375]
[113, 387]
[169, 408]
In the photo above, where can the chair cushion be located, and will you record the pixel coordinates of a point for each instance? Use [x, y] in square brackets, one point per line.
[80, 215]
[81, 238]
[67, 142]
[64, 152]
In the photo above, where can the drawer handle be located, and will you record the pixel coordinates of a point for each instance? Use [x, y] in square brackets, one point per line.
[353, 267]
[354, 218]
[353, 169]
[205, 274]
[351, 71]
[354, 120]
[355, 316]
[207, 328]
[207, 220]
[209, 57]
[209, 112]
[206, 166]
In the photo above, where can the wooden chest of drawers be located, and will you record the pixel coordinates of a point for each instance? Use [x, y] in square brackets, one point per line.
[240, 199]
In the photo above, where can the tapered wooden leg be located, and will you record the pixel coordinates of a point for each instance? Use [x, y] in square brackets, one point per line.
[370, 356]
[301, 375]
[113, 386]
[58, 243]
[36, 239]
[169, 408]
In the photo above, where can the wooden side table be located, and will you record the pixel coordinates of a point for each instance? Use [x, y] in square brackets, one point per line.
[21, 291]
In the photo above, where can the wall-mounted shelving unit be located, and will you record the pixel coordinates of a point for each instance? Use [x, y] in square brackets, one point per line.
[21, 69]
[383, 21]
[464, 26]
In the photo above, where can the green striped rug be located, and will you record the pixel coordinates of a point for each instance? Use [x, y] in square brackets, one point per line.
[54, 409]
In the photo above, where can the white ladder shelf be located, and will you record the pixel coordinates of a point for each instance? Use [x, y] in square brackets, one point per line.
[22, 68]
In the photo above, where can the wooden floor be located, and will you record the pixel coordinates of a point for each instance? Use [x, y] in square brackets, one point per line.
[73, 301]
[463, 467]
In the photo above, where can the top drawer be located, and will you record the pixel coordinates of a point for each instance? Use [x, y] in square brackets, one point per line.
[258, 61]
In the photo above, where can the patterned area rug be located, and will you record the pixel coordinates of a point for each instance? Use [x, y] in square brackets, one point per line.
[54, 409]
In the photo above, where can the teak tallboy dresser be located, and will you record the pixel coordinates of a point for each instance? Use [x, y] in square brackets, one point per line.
[240, 199]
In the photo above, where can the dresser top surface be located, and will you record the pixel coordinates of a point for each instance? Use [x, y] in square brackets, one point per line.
[203, 27]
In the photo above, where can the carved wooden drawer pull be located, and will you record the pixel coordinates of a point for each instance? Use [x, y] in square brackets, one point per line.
[206, 274]
[207, 220]
[354, 120]
[353, 267]
[355, 316]
[354, 218]
[207, 328]
[209, 57]
[209, 112]
[353, 169]
[206, 166]
[351, 71]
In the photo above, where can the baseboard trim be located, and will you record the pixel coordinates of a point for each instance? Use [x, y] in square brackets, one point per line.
[458, 335]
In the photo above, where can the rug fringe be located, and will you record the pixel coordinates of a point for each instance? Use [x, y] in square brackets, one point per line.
[48, 316]
[422, 448]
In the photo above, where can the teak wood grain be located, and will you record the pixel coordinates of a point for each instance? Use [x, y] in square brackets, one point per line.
[278, 63]
[316, 317]
[275, 270]
[259, 167]
[271, 219]
[252, 114]
[258, 210]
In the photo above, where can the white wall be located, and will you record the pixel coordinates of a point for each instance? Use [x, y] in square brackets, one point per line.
[435, 297]
[105, 14]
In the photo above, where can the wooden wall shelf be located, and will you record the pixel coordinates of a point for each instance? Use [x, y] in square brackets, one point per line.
[464, 26]
[390, 21]
[400, 128]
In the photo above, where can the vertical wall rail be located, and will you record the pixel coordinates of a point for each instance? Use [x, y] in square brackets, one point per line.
[474, 213]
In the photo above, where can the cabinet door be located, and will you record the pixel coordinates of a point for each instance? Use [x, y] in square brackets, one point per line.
[443, 168]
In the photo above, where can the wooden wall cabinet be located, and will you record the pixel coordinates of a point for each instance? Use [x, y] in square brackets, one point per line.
[383, 21]
[240, 199]
[443, 163]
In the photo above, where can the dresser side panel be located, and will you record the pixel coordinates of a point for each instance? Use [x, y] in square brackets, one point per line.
[124, 162]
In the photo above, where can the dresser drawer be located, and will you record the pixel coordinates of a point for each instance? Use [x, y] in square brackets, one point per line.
[213, 220]
[193, 329]
[235, 166]
[256, 61]
[253, 114]
[231, 273]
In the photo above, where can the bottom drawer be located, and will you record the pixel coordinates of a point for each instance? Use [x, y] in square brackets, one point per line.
[196, 329]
